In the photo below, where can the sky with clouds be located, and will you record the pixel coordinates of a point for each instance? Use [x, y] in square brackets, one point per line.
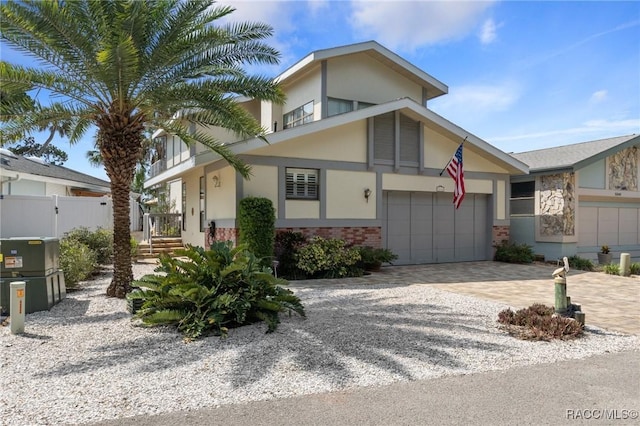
[521, 75]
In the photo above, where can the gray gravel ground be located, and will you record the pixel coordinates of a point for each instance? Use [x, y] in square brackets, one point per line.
[86, 361]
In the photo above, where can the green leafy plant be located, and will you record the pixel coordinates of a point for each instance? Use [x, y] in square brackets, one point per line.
[514, 253]
[77, 261]
[212, 291]
[328, 258]
[611, 269]
[371, 258]
[538, 322]
[134, 248]
[256, 222]
[634, 268]
[604, 249]
[100, 241]
[580, 263]
[285, 250]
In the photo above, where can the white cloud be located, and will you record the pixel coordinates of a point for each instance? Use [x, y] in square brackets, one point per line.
[598, 96]
[586, 131]
[476, 99]
[403, 25]
[488, 32]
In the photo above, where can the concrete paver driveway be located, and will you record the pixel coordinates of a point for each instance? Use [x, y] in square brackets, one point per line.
[609, 301]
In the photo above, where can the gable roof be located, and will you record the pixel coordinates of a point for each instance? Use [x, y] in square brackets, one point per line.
[434, 87]
[407, 106]
[576, 156]
[22, 165]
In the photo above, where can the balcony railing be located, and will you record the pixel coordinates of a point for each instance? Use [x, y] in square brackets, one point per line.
[157, 168]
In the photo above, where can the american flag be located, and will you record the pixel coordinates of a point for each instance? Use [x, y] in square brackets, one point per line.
[455, 170]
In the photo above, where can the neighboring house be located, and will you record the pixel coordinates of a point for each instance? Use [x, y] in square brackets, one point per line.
[31, 176]
[578, 198]
[354, 153]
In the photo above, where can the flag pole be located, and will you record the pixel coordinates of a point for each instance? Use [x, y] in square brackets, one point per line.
[445, 167]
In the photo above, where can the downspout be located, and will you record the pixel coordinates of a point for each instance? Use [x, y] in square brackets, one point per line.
[9, 179]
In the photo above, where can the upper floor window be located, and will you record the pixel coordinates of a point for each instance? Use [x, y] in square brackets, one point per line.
[302, 184]
[299, 116]
[340, 106]
[522, 200]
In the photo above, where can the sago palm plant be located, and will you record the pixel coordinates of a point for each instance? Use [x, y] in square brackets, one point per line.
[126, 66]
[213, 290]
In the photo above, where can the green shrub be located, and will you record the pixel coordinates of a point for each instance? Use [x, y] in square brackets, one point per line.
[212, 291]
[538, 322]
[372, 258]
[582, 264]
[328, 258]
[77, 261]
[134, 248]
[611, 269]
[514, 253]
[285, 250]
[100, 241]
[634, 268]
[256, 221]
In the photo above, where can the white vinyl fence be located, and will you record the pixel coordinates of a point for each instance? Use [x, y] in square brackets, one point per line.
[39, 216]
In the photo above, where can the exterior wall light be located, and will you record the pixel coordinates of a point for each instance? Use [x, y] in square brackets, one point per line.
[367, 194]
[439, 188]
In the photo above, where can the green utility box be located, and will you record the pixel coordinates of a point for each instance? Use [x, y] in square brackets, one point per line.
[36, 262]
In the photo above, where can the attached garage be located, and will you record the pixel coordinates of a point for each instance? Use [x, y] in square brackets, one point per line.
[424, 227]
[614, 226]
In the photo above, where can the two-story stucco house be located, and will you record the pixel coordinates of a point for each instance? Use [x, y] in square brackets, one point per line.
[578, 198]
[356, 154]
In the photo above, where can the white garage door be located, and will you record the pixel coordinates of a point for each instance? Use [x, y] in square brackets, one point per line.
[613, 226]
[424, 227]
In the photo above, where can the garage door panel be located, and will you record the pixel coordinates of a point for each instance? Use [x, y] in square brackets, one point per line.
[628, 226]
[424, 227]
[587, 232]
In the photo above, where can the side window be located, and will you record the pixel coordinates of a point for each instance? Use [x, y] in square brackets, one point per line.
[184, 206]
[522, 201]
[299, 116]
[202, 219]
[302, 184]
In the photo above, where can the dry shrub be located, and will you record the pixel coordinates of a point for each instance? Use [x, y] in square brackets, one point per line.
[538, 322]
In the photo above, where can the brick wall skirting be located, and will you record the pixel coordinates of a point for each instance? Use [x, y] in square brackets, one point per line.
[500, 234]
[359, 236]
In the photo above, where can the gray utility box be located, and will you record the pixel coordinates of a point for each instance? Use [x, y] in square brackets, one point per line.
[35, 261]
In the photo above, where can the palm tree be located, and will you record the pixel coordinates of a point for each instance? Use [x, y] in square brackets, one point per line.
[126, 66]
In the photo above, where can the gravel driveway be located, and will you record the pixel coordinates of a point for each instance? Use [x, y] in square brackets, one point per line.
[85, 360]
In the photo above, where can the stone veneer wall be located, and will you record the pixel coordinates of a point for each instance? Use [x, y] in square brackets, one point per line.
[500, 234]
[623, 170]
[557, 204]
[360, 236]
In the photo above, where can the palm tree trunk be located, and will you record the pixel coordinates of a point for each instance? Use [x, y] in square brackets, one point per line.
[120, 138]
[122, 270]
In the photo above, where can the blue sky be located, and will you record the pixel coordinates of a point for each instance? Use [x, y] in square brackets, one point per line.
[521, 75]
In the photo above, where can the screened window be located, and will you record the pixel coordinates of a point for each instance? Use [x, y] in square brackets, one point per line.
[302, 184]
[299, 116]
[522, 200]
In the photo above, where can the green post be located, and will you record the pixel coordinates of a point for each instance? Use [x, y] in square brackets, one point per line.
[560, 284]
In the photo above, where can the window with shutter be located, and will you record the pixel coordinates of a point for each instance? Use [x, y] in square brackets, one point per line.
[302, 184]
[383, 137]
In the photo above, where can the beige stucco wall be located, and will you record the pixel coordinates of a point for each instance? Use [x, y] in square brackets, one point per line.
[439, 149]
[501, 197]
[343, 143]
[362, 78]
[395, 182]
[263, 183]
[300, 92]
[302, 209]
[221, 200]
[345, 196]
